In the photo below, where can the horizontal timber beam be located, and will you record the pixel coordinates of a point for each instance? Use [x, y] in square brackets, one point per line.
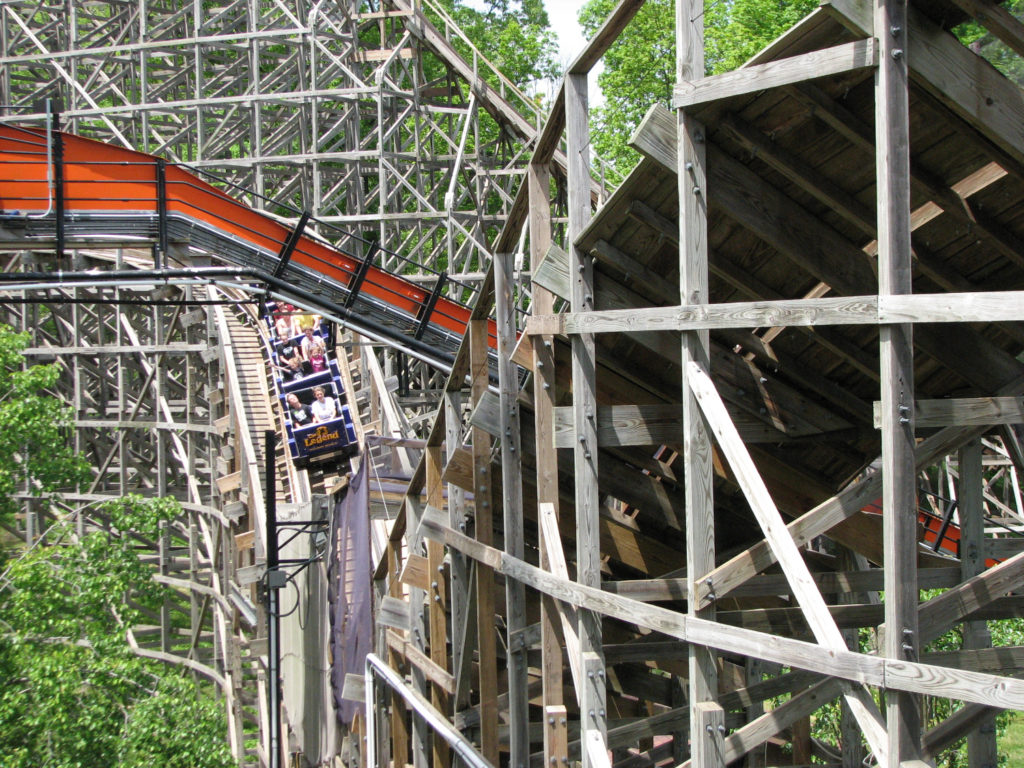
[895, 674]
[838, 60]
[963, 411]
[972, 307]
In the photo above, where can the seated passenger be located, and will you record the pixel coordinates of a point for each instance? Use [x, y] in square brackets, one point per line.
[301, 414]
[289, 349]
[324, 408]
[294, 368]
[318, 357]
[283, 326]
[307, 341]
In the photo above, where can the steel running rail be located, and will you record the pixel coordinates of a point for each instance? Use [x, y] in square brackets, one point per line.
[462, 746]
[119, 195]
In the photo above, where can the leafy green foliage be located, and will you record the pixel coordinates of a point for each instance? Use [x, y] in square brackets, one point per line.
[640, 66]
[514, 35]
[34, 452]
[75, 694]
[987, 45]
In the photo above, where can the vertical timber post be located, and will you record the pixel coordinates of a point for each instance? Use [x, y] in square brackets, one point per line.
[982, 751]
[512, 509]
[538, 178]
[892, 173]
[693, 289]
[483, 496]
[593, 720]
[437, 630]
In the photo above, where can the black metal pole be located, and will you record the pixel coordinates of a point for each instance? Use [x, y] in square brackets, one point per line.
[58, 184]
[273, 601]
[161, 211]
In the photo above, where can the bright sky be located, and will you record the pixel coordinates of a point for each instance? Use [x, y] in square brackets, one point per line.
[562, 14]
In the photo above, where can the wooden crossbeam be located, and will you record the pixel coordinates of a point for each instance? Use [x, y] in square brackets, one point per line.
[963, 411]
[970, 307]
[837, 60]
[990, 690]
[781, 542]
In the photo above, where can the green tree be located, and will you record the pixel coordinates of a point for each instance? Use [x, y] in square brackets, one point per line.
[640, 65]
[987, 45]
[35, 456]
[514, 35]
[74, 693]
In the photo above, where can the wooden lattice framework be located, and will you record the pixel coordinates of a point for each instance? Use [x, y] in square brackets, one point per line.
[826, 341]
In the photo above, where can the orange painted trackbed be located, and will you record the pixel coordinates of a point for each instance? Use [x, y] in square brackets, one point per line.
[100, 177]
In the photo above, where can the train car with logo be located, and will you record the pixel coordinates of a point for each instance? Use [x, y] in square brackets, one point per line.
[309, 386]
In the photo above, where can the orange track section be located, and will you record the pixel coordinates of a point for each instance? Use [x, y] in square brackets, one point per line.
[930, 525]
[100, 177]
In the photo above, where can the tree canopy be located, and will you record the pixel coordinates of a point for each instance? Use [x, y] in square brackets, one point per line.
[640, 65]
[74, 693]
[35, 455]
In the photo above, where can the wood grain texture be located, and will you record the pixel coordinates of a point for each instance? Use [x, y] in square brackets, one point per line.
[837, 60]
[963, 411]
[980, 688]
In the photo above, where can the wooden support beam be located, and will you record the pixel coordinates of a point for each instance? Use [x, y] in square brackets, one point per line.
[544, 383]
[963, 412]
[512, 504]
[706, 743]
[972, 307]
[413, 655]
[481, 482]
[982, 749]
[593, 722]
[437, 599]
[896, 356]
[691, 171]
[811, 602]
[837, 60]
[989, 690]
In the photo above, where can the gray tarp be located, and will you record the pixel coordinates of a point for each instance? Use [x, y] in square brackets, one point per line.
[349, 580]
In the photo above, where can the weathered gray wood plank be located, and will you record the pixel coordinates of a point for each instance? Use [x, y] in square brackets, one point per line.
[837, 60]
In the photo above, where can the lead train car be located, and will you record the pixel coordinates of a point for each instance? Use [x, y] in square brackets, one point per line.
[319, 440]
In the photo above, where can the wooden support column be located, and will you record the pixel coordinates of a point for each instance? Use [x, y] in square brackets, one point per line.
[399, 729]
[982, 750]
[538, 179]
[593, 718]
[693, 289]
[512, 510]
[484, 515]
[892, 169]
[438, 624]
[459, 568]
[708, 743]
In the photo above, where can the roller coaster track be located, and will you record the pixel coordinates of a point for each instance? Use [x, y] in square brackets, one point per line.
[61, 190]
[62, 194]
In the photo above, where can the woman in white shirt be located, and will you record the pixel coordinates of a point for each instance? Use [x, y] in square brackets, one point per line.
[324, 408]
